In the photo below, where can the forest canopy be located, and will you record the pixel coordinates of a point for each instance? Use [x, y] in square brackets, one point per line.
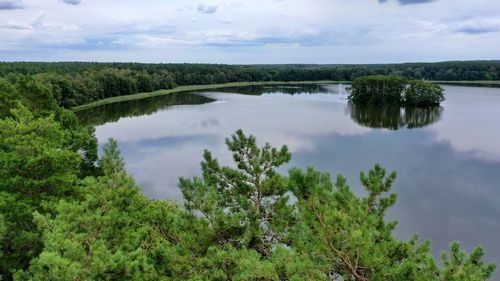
[77, 83]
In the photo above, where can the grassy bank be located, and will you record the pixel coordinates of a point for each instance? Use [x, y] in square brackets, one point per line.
[189, 89]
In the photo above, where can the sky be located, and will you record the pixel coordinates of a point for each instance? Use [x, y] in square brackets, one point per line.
[250, 32]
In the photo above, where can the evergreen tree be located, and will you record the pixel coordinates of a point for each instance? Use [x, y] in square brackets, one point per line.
[112, 162]
[325, 232]
[115, 233]
[37, 168]
[240, 203]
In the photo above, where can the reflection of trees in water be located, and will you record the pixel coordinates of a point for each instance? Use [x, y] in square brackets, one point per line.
[113, 112]
[394, 118]
[291, 89]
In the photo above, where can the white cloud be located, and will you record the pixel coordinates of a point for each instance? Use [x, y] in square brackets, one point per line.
[15, 25]
[258, 31]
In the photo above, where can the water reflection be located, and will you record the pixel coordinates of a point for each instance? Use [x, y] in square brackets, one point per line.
[113, 112]
[394, 117]
[448, 169]
[290, 89]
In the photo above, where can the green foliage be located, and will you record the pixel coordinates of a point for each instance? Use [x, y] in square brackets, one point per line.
[394, 90]
[460, 266]
[37, 167]
[239, 204]
[8, 98]
[43, 154]
[112, 162]
[326, 232]
[115, 233]
[377, 90]
[36, 95]
[422, 93]
[32, 93]
[347, 236]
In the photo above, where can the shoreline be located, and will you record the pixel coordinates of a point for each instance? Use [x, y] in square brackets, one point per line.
[244, 84]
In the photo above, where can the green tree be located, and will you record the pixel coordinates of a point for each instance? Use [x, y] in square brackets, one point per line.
[37, 168]
[377, 90]
[115, 233]
[239, 204]
[3, 232]
[347, 236]
[422, 93]
[112, 162]
[8, 98]
[325, 232]
[36, 95]
[245, 210]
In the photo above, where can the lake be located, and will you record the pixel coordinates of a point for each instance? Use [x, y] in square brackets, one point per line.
[447, 158]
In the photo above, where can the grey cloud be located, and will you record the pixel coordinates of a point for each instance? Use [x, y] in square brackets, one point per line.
[33, 23]
[481, 26]
[10, 4]
[477, 30]
[16, 26]
[206, 9]
[409, 2]
[72, 2]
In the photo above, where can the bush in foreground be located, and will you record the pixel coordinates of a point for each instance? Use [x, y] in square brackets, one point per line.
[239, 223]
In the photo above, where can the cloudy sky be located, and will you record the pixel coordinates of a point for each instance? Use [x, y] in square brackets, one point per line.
[256, 31]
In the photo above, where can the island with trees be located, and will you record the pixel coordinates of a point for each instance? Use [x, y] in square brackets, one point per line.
[395, 91]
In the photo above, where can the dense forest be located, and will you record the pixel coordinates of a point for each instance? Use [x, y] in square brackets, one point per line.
[77, 83]
[67, 215]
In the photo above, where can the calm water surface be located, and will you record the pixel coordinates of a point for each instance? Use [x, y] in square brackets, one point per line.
[447, 158]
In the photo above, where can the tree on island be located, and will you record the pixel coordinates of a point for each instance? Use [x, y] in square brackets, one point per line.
[394, 90]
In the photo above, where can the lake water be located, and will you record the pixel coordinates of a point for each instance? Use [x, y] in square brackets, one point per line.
[447, 158]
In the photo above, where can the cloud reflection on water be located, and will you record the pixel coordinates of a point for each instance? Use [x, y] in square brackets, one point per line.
[448, 170]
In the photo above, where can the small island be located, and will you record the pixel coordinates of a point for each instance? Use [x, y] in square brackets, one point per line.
[394, 90]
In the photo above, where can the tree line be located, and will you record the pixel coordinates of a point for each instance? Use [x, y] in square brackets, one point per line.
[77, 83]
[67, 215]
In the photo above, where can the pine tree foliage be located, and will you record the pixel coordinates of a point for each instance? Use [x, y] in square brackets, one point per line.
[114, 233]
[37, 167]
[112, 162]
[240, 203]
